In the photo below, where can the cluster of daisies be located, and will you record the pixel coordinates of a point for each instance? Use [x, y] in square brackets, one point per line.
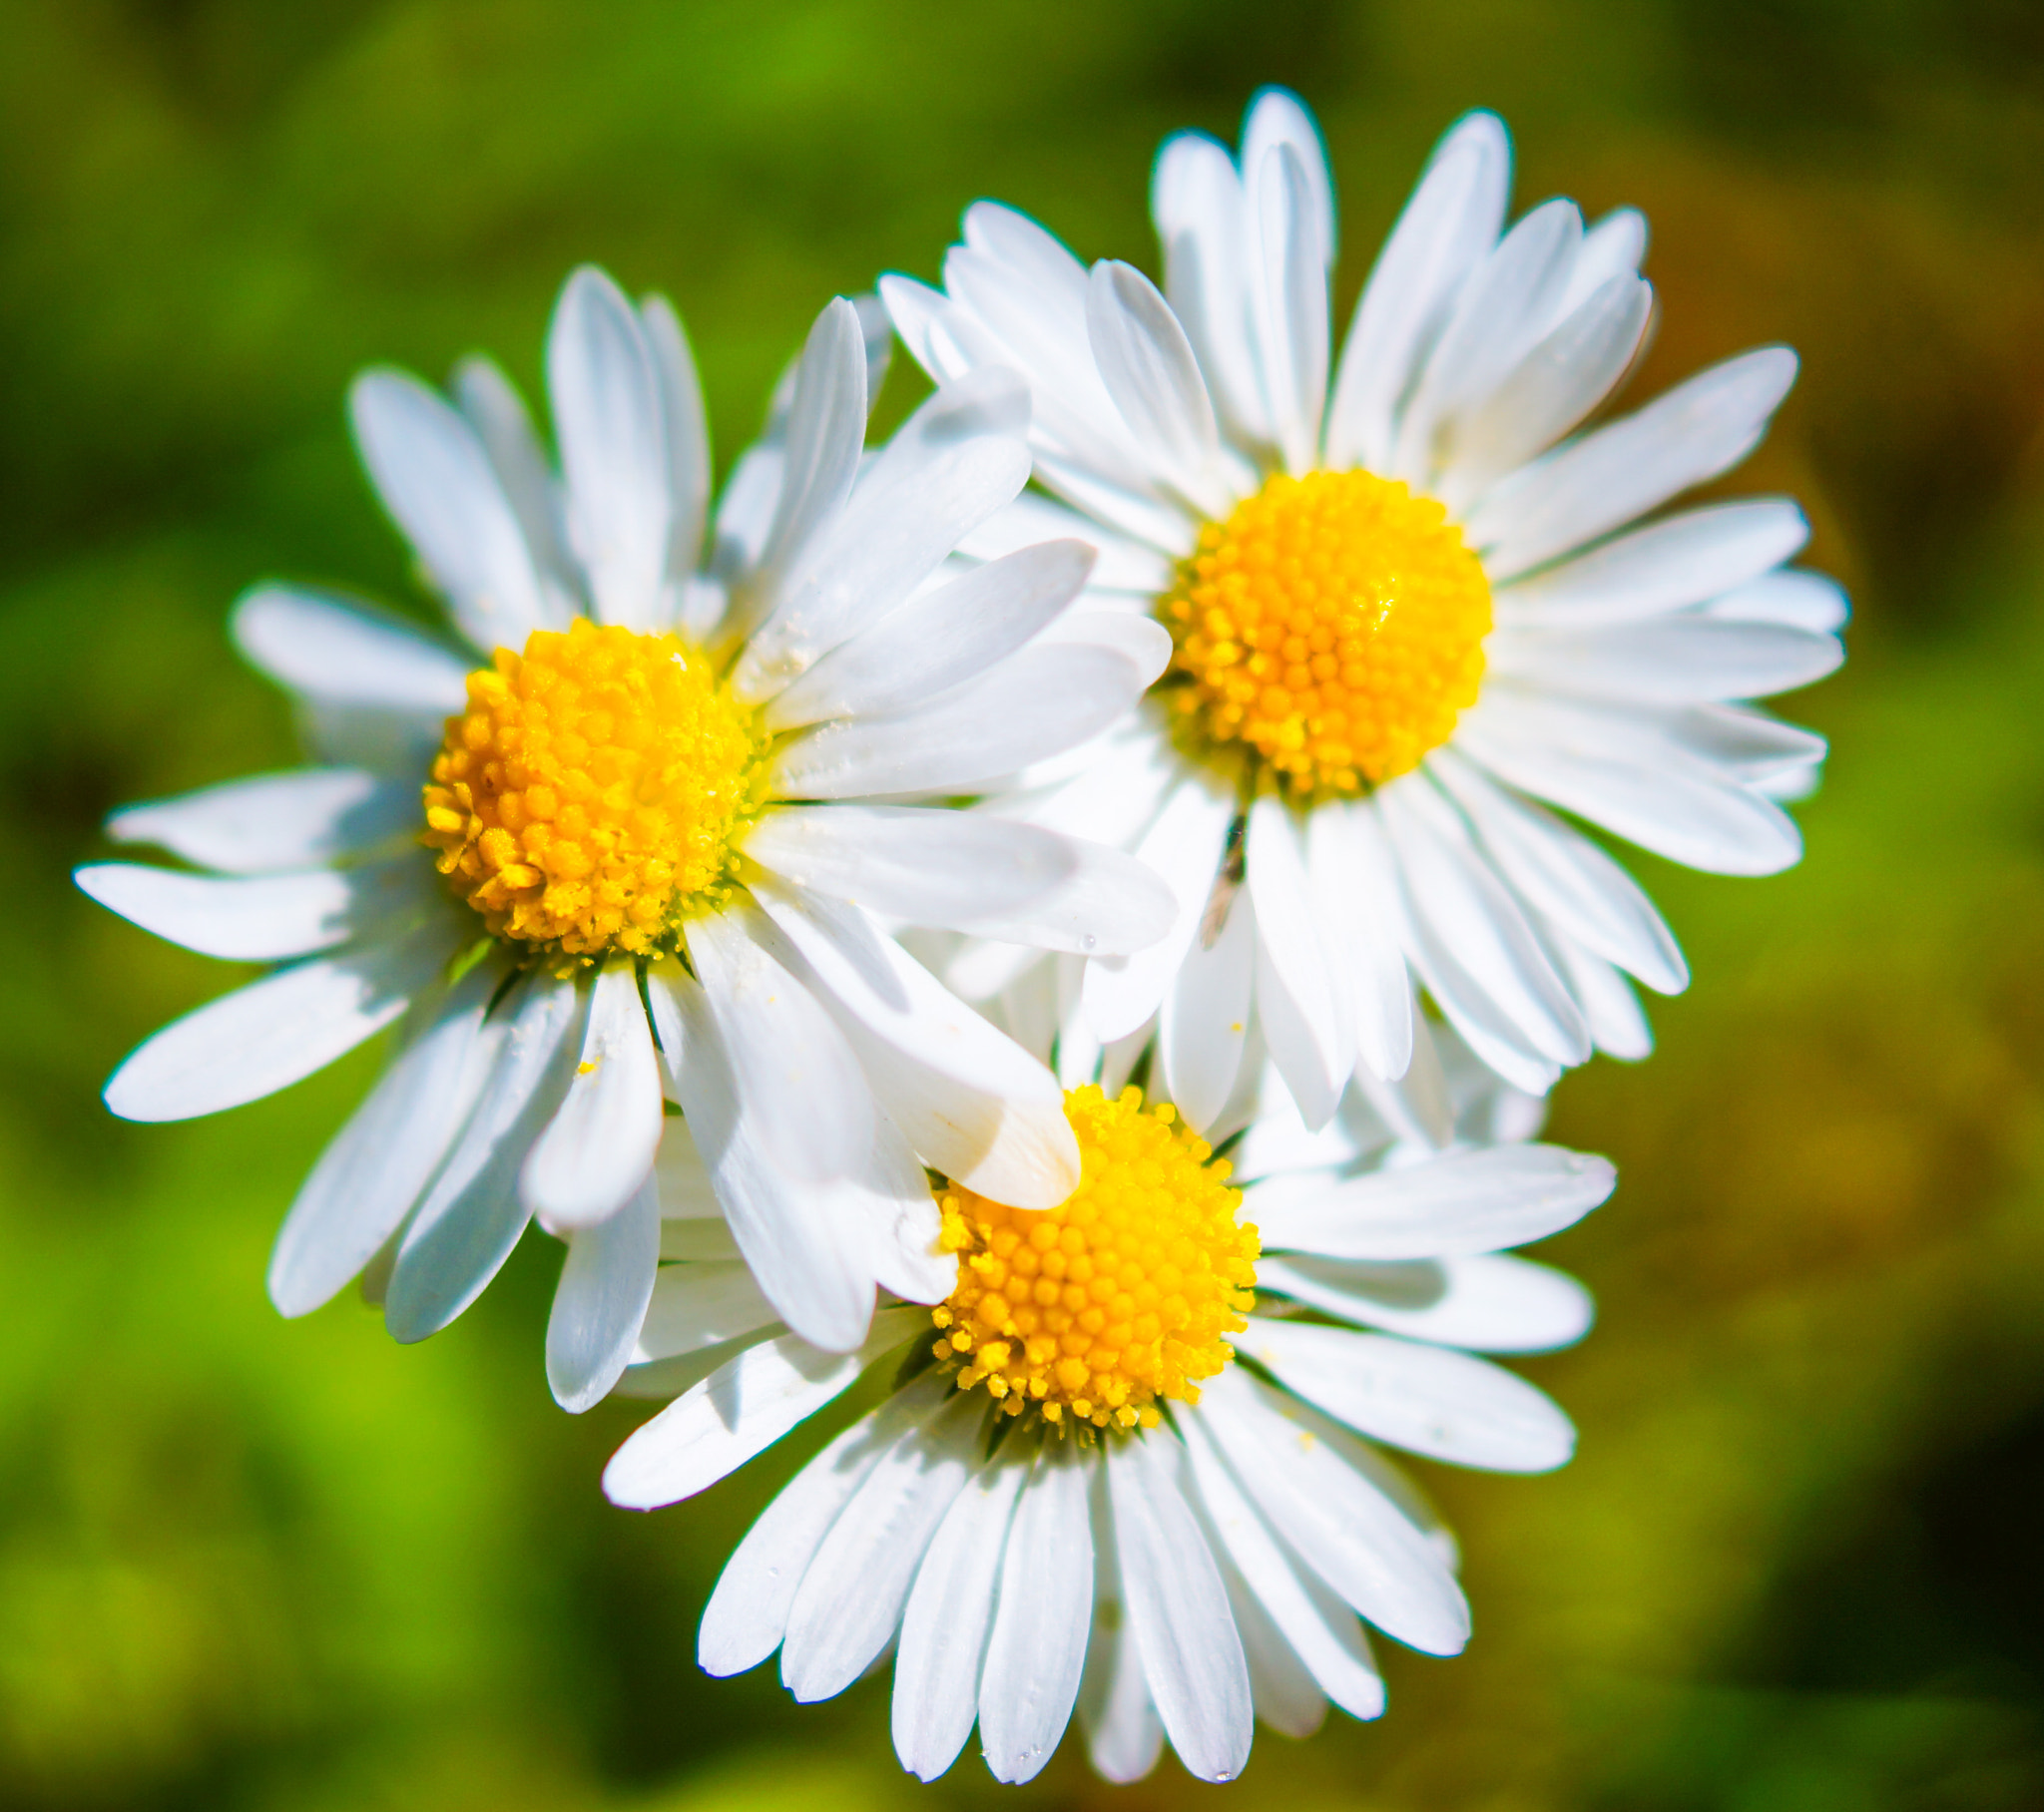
[1076, 908]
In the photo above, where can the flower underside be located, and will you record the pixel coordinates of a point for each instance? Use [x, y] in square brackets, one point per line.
[587, 800]
[1331, 630]
[1121, 1294]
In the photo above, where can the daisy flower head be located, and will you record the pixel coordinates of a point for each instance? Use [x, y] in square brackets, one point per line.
[1415, 605]
[607, 852]
[1131, 1466]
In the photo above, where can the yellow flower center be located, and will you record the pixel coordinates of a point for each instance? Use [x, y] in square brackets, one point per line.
[1334, 625]
[586, 800]
[1117, 1296]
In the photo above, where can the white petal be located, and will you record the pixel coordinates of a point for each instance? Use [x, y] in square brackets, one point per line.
[967, 872]
[1426, 1399]
[803, 1239]
[850, 1599]
[1322, 1633]
[1177, 1610]
[972, 1103]
[275, 1032]
[472, 1216]
[901, 1220]
[1037, 1648]
[741, 1410]
[1673, 659]
[700, 1304]
[687, 432]
[939, 639]
[497, 415]
[1298, 1468]
[1609, 1008]
[1287, 1697]
[1124, 1734]
[1278, 117]
[1470, 942]
[945, 1625]
[1619, 472]
[1186, 847]
[438, 483]
[600, 1300]
[1204, 1027]
[1566, 877]
[1680, 559]
[1033, 704]
[1360, 930]
[1197, 200]
[1149, 368]
[747, 1612]
[1307, 1017]
[826, 430]
[797, 1077]
[376, 1168]
[274, 821]
[262, 919]
[1121, 565]
[1804, 600]
[1486, 1302]
[1142, 640]
[339, 651]
[611, 422]
[1612, 247]
[1678, 810]
[1450, 223]
[600, 1146]
[1463, 1201]
[1290, 305]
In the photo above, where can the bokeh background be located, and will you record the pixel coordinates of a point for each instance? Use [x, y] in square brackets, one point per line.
[253, 1564]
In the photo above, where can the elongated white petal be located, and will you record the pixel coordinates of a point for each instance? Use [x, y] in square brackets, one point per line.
[1290, 306]
[803, 1239]
[275, 1032]
[1037, 1648]
[1677, 808]
[1483, 1301]
[1618, 473]
[700, 1304]
[1197, 200]
[1177, 1610]
[275, 822]
[498, 415]
[1353, 904]
[1680, 559]
[1609, 1008]
[1423, 1398]
[1285, 1694]
[598, 1148]
[1036, 703]
[1452, 220]
[1674, 658]
[264, 918]
[379, 1163]
[1307, 1015]
[1322, 1633]
[439, 484]
[741, 1410]
[949, 1614]
[1296, 1467]
[851, 1601]
[1186, 847]
[339, 651]
[939, 639]
[610, 418]
[1204, 1028]
[747, 1612]
[901, 1219]
[1810, 602]
[1464, 1202]
[970, 1101]
[687, 432]
[1124, 1734]
[1150, 370]
[797, 1077]
[826, 429]
[1278, 117]
[967, 872]
[1566, 877]
[600, 1300]
[472, 1216]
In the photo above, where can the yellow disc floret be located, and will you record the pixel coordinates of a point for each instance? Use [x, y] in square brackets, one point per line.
[1117, 1296]
[586, 800]
[1334, 626]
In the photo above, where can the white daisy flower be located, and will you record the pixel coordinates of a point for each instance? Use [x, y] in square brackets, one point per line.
[658, 803]
[1412, 600]
[1111, 1477]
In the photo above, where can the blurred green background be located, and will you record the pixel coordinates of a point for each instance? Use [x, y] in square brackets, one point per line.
[246, 1564]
